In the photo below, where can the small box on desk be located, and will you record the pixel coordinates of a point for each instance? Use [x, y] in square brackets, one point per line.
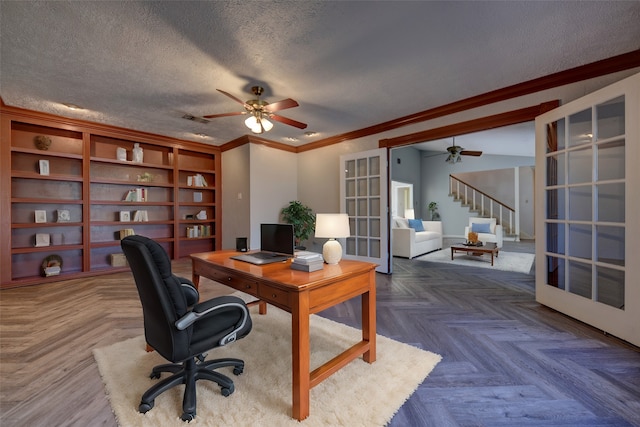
[308, 267]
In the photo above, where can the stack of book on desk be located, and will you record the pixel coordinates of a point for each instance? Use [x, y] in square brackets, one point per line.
[307, 261]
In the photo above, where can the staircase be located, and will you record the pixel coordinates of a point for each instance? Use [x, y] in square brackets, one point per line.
[485, 206]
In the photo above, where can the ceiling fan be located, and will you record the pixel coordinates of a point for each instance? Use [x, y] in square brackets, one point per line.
[261, 111]
[455, 153]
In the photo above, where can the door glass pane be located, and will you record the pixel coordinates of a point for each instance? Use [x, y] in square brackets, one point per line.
[350, 169]
[374, 166]
[374, 248]
[610, 244]
[350, 246]
[580, 203]
[362, 187]
[580, 241]
[580, 163]
[556, 272]
[362, 228]
[555, 204]
[374, 186]
[555, 238]
[610, 118]
[580, 279]
[351, 207]
[611, 160]
[555, 169]
[362, 207]
[611, 202]
[350, 188]
[580, 128]
[362, 167]
[362, 247]
[374, 227]
[610, 287]
[375, 207]
[555, 136]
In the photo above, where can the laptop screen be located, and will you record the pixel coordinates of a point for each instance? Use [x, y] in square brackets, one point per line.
[277, 238]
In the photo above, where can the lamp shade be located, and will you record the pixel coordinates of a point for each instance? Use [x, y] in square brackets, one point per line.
[410, 213]
[332, 226]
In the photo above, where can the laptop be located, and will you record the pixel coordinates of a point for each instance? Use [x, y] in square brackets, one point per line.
[276, 245]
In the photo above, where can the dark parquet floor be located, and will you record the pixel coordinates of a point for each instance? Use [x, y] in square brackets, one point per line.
[507, 361]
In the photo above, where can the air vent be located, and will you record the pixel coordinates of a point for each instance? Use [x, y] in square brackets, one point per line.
[195, 119]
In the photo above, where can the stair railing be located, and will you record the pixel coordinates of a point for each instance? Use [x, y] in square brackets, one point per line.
[484, 204]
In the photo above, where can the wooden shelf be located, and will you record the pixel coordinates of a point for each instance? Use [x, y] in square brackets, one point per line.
[86, 178]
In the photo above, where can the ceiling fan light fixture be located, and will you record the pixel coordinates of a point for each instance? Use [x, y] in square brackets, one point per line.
[254, 123]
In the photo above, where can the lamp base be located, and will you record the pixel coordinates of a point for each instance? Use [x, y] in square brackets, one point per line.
[332, 251]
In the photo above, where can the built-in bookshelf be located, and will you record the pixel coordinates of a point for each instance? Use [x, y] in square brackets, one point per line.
[71, 189]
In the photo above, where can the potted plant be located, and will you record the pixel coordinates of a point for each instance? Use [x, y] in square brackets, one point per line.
[302, 218]
[433, 209]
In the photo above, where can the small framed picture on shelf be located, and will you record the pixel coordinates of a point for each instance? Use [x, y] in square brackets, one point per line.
[125, 216]
[63, 215]
[43, 167]
[40, 216]
[42, 239]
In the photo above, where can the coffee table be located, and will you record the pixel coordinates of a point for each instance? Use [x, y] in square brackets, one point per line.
[487, 248]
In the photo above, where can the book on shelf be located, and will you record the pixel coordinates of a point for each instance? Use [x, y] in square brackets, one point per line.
[136, 195]
[141, 216]
[126, 232]
[198, 231]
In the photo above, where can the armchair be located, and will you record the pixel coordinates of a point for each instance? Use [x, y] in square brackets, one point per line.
[488, 230]
[180, 328]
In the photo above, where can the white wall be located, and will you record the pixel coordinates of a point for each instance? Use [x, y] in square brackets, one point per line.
[236, 196]
[274, 182]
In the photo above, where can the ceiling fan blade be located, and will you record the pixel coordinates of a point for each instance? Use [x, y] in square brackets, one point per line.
[281, 105]
[470, 153]
[213, 116]
[231, 96]
[288, 121]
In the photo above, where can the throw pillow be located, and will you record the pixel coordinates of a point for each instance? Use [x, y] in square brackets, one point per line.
[416, 224]
[481, 227]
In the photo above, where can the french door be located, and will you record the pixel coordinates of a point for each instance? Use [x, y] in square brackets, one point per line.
[587, 209]
[363, 196]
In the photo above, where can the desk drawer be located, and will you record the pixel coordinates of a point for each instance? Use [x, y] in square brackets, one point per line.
[275, 296]
[235, 281]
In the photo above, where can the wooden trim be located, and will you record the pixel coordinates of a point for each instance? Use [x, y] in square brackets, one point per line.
[483, 123]
[250, 139]
[603, 67]
[78, 125]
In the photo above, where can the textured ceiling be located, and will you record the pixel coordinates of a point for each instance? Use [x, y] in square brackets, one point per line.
[350, 65]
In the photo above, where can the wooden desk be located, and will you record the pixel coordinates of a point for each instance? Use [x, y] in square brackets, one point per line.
[301, 294]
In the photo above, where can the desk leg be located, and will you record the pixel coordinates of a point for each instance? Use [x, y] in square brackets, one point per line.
[301, 354]
[195, 278]
[369, 319]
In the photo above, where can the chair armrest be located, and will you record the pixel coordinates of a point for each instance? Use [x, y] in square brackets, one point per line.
[213, 305]
[188, 289]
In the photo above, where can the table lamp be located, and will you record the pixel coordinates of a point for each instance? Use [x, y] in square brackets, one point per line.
[410, 213]
[332, 226]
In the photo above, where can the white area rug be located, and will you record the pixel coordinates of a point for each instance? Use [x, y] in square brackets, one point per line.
[507, 261]
[360, 394]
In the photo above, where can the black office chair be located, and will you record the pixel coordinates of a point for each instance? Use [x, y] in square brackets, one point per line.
[180, 328]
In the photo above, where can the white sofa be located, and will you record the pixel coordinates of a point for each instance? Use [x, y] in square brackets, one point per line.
[493, 236]
[409, 243]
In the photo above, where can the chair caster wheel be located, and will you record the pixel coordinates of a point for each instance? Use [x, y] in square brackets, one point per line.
[237, 371]
[226, 391]
[154, 375]
[144, 407]
[188, 416]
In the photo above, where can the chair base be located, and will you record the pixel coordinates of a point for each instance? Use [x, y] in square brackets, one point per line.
[188, 373]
